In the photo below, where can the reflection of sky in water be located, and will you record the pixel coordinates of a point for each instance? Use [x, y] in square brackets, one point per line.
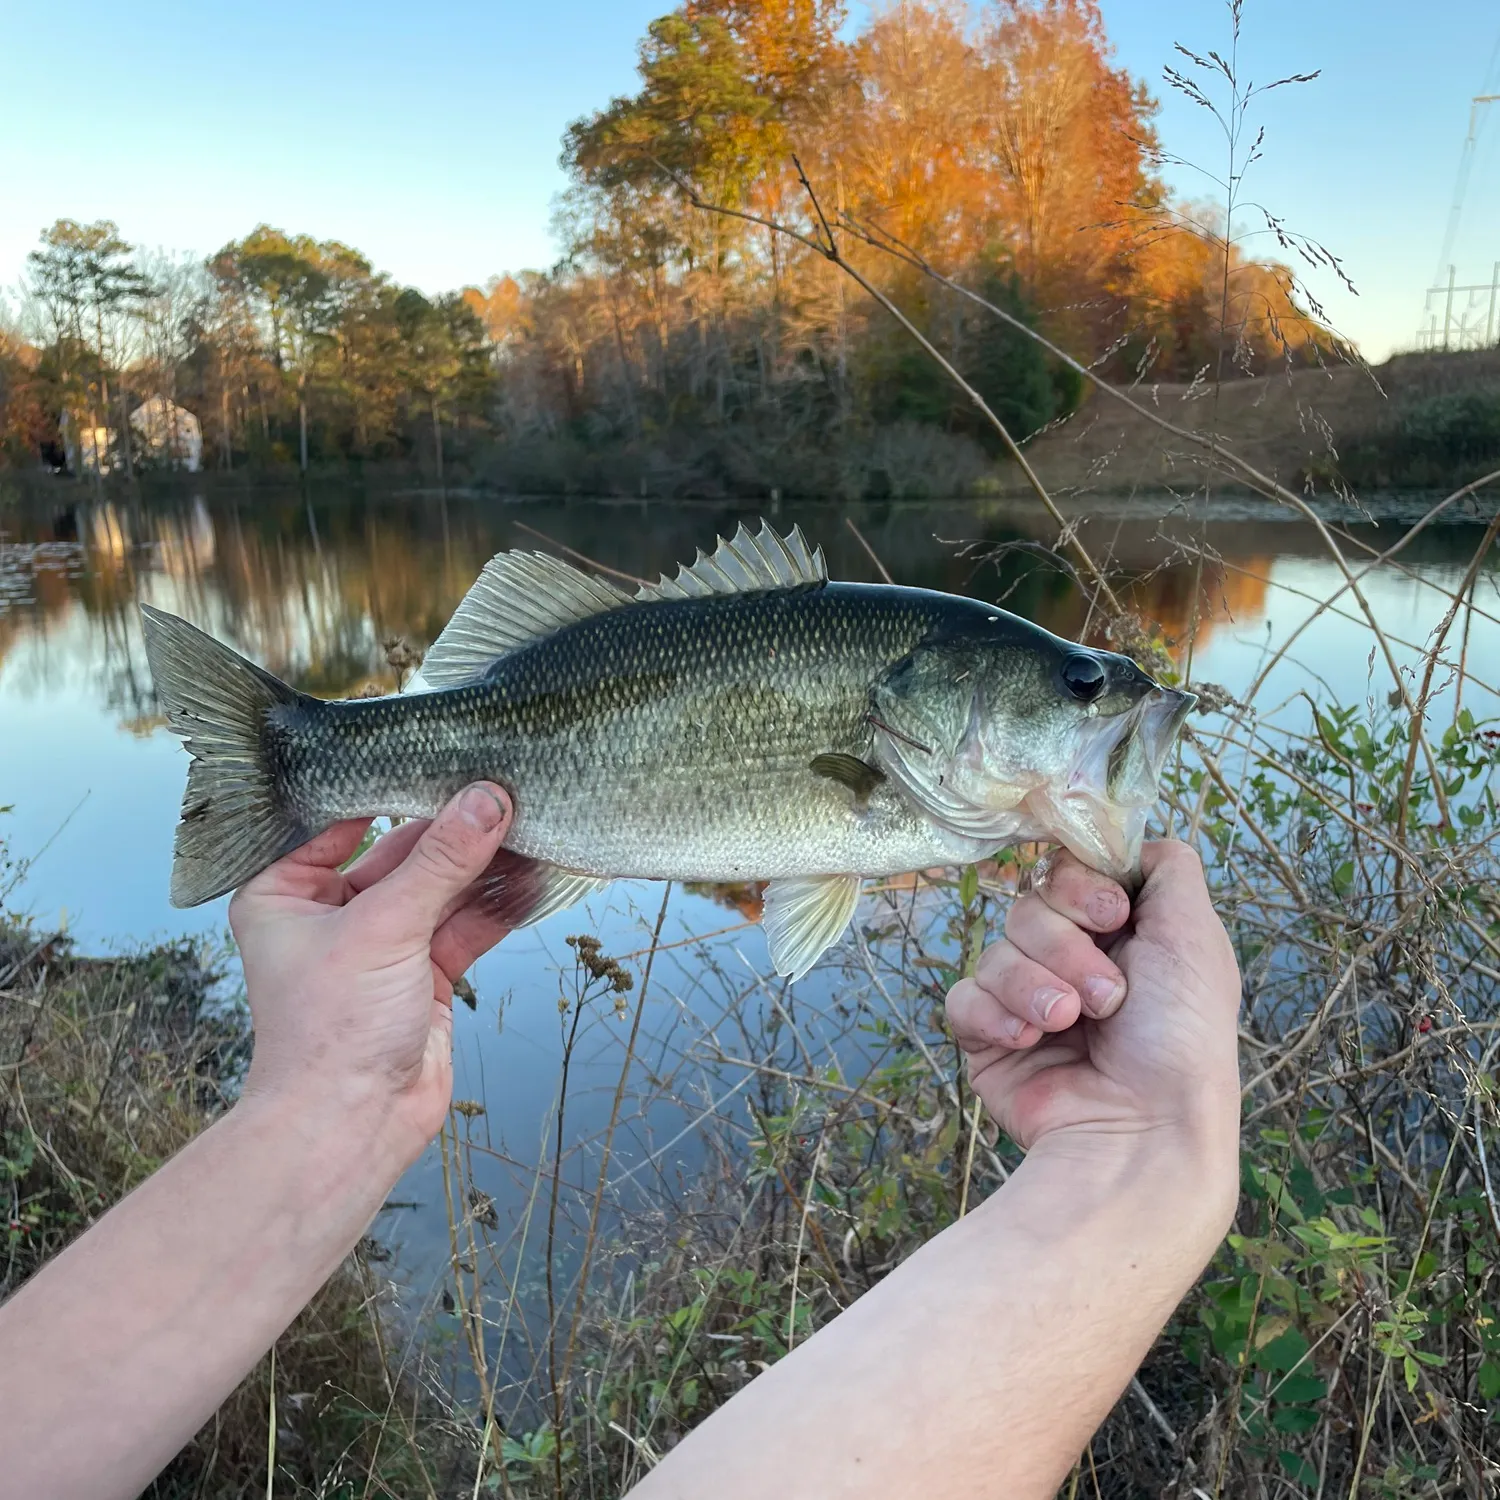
[96, 802]
[96, 785]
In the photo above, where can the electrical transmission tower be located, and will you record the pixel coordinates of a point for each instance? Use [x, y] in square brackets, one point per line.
[1454, 315]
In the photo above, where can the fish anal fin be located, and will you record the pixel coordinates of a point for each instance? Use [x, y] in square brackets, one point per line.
[519, 597]
[516, 891]
[804, 916]
[745, 564]
[849, 770]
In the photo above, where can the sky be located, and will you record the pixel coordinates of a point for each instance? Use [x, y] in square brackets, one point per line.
[427, 135]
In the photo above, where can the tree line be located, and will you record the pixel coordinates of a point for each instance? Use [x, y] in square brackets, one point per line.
[679, 348]
[285, 348]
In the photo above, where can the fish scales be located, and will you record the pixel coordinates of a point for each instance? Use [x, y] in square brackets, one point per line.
[669, 739]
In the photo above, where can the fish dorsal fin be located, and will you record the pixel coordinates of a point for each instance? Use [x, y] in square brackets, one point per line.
[522, 596]
[519, 597]
[745, 564]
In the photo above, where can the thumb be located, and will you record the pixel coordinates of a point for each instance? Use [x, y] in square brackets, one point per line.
[1175, 915]
[1174, 901]
[453, 852]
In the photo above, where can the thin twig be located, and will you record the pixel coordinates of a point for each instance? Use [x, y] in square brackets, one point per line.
[609, 1133]
[859, 536]
[831, 252]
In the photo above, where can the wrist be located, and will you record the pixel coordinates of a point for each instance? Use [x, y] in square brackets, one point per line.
[353, 1135]
[1169, 1189]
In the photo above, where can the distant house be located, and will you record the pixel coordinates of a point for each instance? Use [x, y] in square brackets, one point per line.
[90, 449]
[168, 434]
[162, 434]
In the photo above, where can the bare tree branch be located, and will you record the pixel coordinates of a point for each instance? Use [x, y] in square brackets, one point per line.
[831, 252]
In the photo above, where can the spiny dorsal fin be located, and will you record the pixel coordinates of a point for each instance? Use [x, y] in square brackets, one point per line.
[744, 564]
[522, 596]
[519, 597]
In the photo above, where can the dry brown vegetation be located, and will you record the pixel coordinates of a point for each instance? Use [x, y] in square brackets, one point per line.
[107, 1068]
[1317, 426]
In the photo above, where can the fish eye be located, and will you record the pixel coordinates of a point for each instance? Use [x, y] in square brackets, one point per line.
[1083, 676]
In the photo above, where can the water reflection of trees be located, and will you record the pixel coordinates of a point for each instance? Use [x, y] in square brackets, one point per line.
[311, 587]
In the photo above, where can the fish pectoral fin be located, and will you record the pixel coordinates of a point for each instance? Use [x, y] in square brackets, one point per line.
[519, 597]
[517, 891]
[850, 771]
[805, 916]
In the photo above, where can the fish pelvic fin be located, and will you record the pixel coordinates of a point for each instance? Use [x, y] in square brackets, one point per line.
[517, 891]
[234, 823]
[805, 916]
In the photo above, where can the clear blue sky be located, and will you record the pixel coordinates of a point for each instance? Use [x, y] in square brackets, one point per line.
[427, 135]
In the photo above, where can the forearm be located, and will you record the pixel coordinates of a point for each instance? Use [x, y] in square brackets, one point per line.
[114, 1355]
[983, 1364]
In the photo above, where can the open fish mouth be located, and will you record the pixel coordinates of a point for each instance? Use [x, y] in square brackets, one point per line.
[1100, 812]
[1157, 720]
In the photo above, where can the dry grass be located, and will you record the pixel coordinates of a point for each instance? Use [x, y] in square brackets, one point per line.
[108, 1067]
[1295, 425]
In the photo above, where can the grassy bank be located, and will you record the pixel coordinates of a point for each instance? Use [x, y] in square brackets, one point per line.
[107, 1068]
[1419, 422]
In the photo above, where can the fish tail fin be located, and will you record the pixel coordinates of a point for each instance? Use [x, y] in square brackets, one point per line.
[234, 820]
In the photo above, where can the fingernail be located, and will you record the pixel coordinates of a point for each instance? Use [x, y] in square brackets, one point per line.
[482, 808]
[1044, 1002]
[1011, 1029]
[1104, 994]
[1104, 908]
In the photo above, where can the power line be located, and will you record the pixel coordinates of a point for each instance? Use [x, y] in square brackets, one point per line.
[1470, 313]
[1461, 186]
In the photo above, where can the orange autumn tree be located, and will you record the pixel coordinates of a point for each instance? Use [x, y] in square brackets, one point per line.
[1065, 146]
[1002, 142]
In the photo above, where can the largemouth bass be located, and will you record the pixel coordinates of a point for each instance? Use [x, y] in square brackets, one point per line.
[747, 720]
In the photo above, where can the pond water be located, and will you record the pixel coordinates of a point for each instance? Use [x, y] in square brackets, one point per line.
[311, 583]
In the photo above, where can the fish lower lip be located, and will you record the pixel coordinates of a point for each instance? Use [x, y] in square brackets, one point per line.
[1162, 714]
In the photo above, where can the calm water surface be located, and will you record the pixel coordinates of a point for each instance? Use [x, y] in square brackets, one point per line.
[311, 585]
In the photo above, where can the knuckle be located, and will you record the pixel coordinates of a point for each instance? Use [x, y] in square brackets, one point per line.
[1021, 913]
[440, 851]
[967, 995]
[996, 959]
[1176, 852]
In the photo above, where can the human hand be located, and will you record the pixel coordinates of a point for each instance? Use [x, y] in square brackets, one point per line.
[349, 973]
[1072, 1030]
